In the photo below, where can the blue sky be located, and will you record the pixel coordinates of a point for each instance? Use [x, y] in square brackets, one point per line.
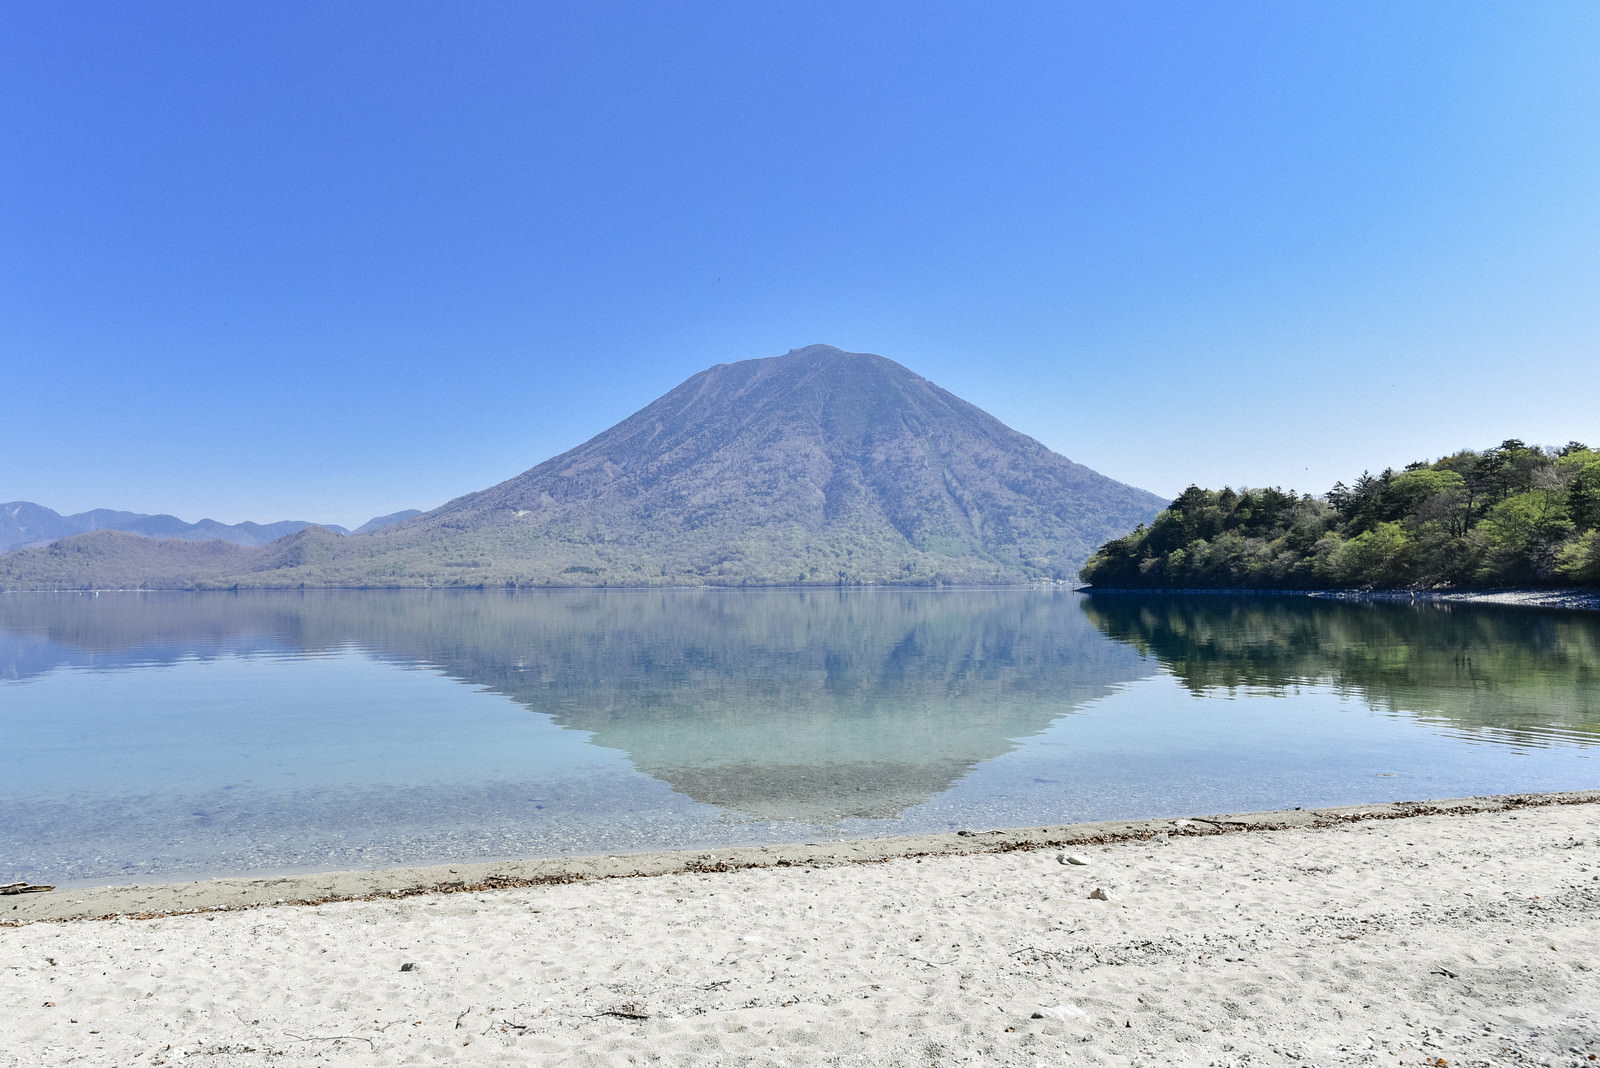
[329, 260]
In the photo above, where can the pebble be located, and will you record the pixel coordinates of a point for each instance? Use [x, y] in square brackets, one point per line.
[1098, 894]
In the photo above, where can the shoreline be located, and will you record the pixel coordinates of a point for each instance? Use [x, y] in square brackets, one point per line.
[1434, 933]
[227, 894]
[1572, 598]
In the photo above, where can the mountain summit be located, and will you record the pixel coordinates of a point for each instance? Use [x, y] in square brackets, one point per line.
[816, 467]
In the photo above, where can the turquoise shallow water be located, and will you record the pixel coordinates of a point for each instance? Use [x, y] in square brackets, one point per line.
[185, 735]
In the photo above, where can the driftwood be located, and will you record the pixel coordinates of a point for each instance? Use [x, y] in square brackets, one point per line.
[23, 888]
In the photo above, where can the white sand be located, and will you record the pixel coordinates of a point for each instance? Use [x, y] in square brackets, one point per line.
[1467, 938]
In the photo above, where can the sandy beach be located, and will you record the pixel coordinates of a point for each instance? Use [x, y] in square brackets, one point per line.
[1463, 933]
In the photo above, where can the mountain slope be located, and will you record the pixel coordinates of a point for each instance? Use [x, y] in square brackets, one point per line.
[816, 467]
[383, 520]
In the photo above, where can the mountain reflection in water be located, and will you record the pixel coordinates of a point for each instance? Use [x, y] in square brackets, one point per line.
[182, 735]
[781, 704]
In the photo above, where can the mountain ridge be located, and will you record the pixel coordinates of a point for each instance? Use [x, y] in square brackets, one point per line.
[25, 523]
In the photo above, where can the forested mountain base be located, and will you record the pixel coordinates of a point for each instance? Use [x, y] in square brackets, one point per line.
[1508, 516]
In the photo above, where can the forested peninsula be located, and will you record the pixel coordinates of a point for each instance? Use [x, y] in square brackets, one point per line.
[1514, 515]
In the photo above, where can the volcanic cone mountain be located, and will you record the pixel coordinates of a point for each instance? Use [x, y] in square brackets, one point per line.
[816, 467]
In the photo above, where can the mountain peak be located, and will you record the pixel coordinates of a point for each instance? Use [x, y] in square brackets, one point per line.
[818, 350]
[811, 357]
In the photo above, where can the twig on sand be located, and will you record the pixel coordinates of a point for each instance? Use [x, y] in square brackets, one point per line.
[331, 1038]
[626, 1012]
[509, 1025]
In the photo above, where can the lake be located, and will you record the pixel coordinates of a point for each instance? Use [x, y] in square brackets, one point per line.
[160, 736]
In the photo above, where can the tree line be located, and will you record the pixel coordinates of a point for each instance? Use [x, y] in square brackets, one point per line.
[1513, 515]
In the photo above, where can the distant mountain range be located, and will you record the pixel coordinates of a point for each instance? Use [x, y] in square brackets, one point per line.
[819, 467]
[23, 523]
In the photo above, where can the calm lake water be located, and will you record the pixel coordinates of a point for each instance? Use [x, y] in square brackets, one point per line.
[164, 736]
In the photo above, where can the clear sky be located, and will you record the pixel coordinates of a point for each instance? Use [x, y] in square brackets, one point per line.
[330, 260]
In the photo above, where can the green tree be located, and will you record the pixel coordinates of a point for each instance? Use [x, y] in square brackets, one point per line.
[1579, 559]
[1522, 536]
[1582, 469]
[1428, 495]
[1379, 557]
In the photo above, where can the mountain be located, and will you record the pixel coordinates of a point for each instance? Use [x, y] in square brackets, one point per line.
[819, 467]
[23, 523]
